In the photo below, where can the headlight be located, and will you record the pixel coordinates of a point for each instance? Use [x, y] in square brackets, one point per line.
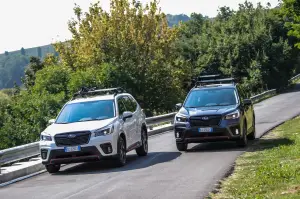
[104, 131]
[233, 115]
[45, 137]
[181, 119]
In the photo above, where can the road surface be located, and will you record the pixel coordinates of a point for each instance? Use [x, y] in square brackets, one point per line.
[165, 173]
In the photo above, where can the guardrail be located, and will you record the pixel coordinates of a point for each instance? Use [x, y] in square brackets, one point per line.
[297, 77]
[263, 95]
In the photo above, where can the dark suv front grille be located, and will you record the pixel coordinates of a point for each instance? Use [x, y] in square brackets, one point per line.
[72, 138]
[211, 120]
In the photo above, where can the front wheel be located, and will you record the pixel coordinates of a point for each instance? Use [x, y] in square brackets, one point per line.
[252, 135]
[143, 149]
[181, 146]
[121, 156]
[53, 168]
[244, 141]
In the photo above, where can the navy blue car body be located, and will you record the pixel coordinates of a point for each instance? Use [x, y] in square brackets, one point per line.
[205, 116]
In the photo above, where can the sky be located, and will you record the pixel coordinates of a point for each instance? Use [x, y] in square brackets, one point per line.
[31, 23]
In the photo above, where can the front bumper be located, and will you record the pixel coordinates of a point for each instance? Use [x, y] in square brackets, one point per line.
[186, 134]
[97, 148]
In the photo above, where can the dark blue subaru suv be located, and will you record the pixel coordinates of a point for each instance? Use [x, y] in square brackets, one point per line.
[214, 110]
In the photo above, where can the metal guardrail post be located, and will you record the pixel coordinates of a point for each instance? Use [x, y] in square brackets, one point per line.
[1, 154]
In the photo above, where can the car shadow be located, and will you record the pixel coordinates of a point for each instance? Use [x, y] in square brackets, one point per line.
[253, 145]
[217, 147]
[134, 162]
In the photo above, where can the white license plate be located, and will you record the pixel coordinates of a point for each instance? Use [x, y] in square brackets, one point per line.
[72, 148]
[201, 130]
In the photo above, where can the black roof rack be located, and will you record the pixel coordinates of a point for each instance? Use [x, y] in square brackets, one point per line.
[213, 79]
[85, 92]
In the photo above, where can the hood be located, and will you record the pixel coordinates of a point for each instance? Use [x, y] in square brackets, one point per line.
[77, 126]
[212, 110]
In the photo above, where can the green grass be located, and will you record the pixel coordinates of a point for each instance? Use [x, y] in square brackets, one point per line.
[270, 168]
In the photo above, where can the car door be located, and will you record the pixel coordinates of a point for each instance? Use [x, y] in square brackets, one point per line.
[138, 119]
[127, 124]
[133, 120]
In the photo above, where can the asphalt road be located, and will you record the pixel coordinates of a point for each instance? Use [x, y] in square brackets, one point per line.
[165, 173]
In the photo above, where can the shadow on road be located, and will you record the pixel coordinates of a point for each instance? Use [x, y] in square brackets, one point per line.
[257, 145]
[133, 163]
[217, 147]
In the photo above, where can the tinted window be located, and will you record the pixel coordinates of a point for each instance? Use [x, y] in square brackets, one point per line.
[130, 104]
[87, 111]
[121, 106]
[211, 97]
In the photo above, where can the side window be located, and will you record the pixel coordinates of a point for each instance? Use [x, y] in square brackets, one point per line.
[129, 105]
[121, 106]
[134, 104]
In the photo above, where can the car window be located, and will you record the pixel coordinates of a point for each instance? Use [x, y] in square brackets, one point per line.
[87, 111]
[133, 104]
[130, 106]
[121, 106]
[211, 97]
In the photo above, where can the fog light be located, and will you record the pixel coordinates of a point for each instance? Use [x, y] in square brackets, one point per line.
[236, 131]
[107, 148]
[44, 153]
[177, 135]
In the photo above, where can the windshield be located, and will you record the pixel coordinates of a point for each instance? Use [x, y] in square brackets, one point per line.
[86, 111]
[211, 97]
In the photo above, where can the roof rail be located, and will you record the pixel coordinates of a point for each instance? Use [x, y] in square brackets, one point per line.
[208, 77]
[85, 92]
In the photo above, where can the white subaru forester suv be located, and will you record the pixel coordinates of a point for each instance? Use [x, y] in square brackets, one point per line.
[94, 125]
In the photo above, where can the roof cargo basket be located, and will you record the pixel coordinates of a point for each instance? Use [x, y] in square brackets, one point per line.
[213, 79]
[85, 92]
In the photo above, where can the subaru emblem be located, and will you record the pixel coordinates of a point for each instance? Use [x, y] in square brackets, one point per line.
[205, 118]
[71, 136]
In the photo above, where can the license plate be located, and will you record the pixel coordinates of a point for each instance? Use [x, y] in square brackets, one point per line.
[72, 148]
[201, 130]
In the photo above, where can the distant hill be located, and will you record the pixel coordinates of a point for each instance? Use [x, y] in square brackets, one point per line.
[175, 19]
[14, 63]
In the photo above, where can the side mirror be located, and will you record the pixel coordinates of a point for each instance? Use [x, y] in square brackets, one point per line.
[126, 115]
[51, 121]
[247, 102]
[178, 106]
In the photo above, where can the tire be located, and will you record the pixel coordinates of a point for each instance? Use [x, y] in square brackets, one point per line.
[121, 156]
[181, 146]
[53, 168]
[252, 135]
[244, 141]
[143, 150]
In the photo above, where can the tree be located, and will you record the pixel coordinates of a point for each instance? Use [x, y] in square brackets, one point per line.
[34, 66]
[134, 39]
[23, 51]
[39, 51]
[291, 10]
[6, 53]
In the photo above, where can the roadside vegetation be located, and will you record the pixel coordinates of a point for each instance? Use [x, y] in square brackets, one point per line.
[133, 46]
[270, 169]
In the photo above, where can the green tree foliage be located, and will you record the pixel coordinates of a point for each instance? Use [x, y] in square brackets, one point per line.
[250, 44]
[134, 39]
[291, 10]
[39, 51]
[23, 52]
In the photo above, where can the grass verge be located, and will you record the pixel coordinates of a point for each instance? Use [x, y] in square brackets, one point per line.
[270, 168]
